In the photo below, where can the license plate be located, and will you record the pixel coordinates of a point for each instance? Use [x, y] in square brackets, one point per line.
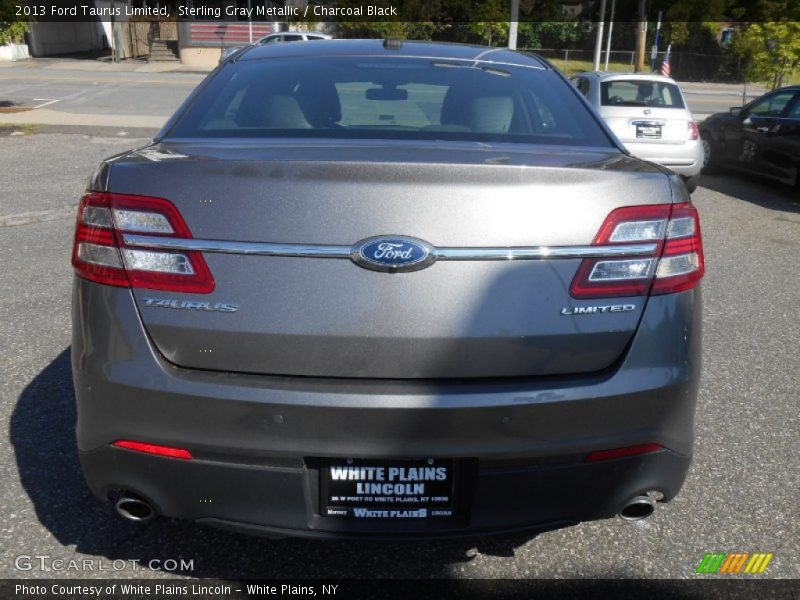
[391, 489]
[652, 132]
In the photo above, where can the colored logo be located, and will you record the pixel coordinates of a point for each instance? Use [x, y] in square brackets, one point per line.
[393, 254]
[733, 563]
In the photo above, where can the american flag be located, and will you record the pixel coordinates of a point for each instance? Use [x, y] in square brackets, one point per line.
[665, 68]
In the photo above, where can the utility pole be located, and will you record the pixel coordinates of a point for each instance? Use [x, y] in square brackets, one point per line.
[610, 29]
[598, 43]
[641, 36]
[114, 51]
[654, 51]
[744, 90]
[250, 20]
[513, 25]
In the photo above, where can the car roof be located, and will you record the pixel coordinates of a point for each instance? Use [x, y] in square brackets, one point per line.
[609, 76]
[327, 35]
[441, 50]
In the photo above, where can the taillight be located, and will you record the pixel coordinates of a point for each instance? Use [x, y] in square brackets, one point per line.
[693, 131]
[682, 263]
[156, 449]
[624, 452]
[100, 253]
[676, 263]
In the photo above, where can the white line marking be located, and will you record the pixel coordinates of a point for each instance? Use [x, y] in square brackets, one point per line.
[45, 103]
[38, 216]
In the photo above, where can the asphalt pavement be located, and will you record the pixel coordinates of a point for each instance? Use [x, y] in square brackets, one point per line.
[43, 94]
[72, 93]
[740, 494]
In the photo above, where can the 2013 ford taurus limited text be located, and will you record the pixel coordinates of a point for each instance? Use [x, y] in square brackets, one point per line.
[367, 289]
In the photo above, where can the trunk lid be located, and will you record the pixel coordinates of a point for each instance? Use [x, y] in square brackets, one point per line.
[648, 124]
[328, 317]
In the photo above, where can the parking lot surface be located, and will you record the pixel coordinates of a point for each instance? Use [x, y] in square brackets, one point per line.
[739, 496]
[70, 92]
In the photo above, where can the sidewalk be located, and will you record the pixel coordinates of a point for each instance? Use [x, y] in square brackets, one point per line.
[754, 90]
[103, 65]
[47, 117]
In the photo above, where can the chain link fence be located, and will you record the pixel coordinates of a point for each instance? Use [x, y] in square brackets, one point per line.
[685, 66]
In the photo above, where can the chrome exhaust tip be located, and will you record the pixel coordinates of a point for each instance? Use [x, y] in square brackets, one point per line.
[638, 508]
[135, 509]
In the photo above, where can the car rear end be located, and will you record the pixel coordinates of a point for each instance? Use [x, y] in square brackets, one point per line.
[384, 314]
[650, 116]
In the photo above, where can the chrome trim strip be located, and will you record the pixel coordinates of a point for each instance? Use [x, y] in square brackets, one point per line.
[544, 252]
[255, 248]
[449, 253]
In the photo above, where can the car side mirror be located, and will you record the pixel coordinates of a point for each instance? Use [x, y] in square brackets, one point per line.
[735, 111]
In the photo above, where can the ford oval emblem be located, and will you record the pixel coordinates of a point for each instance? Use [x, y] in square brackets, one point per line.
[393, 254]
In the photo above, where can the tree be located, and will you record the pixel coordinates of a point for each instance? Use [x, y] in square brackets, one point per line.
[418, 23]
[545, 24]
[11, 28]
[771, 50]
[759, 11]
[371, 29]
[490, 22]
[565, 33]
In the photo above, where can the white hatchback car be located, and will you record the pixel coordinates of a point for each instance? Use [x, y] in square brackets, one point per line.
[648, 114]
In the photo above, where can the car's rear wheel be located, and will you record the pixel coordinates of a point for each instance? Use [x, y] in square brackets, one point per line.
[691, 182]
[710, 155]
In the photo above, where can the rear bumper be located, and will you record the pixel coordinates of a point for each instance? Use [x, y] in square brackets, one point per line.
[685, 159]
[522, 442]
[283, 501]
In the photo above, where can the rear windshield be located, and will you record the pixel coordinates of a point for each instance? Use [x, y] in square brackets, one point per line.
[632, 92]
[397, 98]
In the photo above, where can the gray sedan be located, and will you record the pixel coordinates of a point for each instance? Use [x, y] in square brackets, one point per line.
[400, 290]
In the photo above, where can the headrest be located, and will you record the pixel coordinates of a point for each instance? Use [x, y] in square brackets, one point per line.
[273, 112]
[320, 102]
[483, 111]
[490, 114]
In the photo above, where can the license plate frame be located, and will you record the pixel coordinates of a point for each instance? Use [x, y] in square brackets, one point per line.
[419, 490]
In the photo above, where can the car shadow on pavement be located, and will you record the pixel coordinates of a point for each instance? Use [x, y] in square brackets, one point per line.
[42, 432]
[762, 192]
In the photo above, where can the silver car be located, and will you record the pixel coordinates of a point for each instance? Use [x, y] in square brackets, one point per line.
[356, 289]
[648, 113]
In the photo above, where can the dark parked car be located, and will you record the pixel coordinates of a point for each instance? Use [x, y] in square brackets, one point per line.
[385, 290]
[762, 137]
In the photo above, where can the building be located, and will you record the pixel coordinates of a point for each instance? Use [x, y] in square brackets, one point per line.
[192, 31]
[47, 38]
